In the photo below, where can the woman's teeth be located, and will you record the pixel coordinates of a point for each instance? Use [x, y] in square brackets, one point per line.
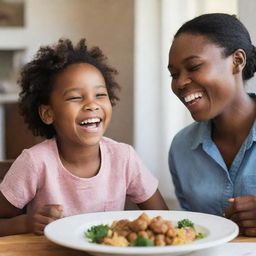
[193, 96]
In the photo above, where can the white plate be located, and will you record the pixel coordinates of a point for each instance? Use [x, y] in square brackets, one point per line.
[70, 231]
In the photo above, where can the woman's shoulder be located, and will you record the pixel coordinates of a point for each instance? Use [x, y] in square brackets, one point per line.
[188, 130]
[190, 134]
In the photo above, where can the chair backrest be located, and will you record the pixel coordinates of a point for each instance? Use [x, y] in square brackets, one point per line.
[4, 167]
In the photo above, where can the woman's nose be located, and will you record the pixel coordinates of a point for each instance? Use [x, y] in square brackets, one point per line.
[183, 81]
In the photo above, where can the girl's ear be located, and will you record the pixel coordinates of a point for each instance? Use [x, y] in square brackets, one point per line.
[46, 114]
[239, 61]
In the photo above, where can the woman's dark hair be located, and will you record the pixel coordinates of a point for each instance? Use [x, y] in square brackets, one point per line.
[227, 32]
[36, 79]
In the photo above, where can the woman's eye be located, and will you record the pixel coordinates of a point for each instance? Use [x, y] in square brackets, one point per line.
[194, 68]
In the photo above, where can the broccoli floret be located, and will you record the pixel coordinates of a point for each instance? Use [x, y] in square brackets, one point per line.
[142, 241]
[200, 235]
[96, 233]
[185, 223]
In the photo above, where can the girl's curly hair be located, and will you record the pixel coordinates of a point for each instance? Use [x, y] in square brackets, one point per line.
[36, 79]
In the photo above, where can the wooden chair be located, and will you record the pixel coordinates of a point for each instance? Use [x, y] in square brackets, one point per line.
[4, 167]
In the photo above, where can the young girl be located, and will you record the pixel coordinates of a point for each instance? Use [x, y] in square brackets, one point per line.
[67, 96]
[212, 161]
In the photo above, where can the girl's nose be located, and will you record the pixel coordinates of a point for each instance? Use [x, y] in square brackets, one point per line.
[90, 106]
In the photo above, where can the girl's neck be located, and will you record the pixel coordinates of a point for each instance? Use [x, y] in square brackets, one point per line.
[83, 161]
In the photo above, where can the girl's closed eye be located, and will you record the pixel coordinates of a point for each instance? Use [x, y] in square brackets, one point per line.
[101, 95]
[74, 98]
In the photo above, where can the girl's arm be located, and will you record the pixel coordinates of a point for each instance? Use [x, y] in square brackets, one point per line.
[13, 222]
[155, 202]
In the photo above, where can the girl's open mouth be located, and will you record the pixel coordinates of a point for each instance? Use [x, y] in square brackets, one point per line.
[91, 122]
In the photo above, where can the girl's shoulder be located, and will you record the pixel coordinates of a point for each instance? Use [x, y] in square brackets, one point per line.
[44, 149]
[45, 145]
[114, 147]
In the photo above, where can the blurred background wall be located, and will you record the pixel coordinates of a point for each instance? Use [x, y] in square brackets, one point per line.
[136, 36]
[108, 24]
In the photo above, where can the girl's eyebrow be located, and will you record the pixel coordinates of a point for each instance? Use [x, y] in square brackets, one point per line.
[80, 89]
[71, 90]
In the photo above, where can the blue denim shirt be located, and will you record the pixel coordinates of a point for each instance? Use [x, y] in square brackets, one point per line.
[200, 176]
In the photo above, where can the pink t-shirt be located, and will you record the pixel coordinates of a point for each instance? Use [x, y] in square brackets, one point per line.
[37, 177]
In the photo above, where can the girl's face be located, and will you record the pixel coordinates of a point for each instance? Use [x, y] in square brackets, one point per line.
[202, 78]
[79, 108]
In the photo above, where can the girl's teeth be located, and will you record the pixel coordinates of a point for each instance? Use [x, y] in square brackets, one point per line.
[90, 121]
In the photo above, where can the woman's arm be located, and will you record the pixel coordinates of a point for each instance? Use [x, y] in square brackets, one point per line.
[242, 210]
[155, 202]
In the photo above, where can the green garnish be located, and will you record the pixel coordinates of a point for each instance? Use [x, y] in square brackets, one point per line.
[185, 223]
[142, 241]
[200, 235]
[96, 233]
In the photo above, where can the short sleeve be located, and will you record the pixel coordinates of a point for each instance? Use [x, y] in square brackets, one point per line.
[141, 183]
[20, 183]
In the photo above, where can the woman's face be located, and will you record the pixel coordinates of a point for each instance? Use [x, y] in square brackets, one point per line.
[202, 78]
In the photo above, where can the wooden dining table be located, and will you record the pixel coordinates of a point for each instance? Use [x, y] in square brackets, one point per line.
[33, 245]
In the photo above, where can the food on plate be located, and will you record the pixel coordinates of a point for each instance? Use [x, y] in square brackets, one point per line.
[144, 231]
[96, 233]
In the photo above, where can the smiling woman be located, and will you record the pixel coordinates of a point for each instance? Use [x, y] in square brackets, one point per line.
[201, 63]
[210, 59]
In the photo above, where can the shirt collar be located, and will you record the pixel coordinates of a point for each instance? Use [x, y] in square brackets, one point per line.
[252, 135]
[203, 135]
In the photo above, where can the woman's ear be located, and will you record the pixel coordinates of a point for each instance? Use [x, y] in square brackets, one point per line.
[46, 114]
[239, 61]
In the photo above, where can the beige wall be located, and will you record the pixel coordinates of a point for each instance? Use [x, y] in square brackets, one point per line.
[247, 16]
[106, 23]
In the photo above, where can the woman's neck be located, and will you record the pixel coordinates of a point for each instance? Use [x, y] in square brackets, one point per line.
[237, 121]
[231, 129]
